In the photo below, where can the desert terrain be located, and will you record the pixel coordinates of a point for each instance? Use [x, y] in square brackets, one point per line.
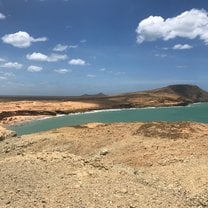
[155, 164]
[20, 109]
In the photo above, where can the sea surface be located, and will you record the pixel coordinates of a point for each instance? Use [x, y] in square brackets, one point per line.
[195, 112]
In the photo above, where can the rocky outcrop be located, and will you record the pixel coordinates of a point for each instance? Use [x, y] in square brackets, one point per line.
[5, 133]
[25, 113]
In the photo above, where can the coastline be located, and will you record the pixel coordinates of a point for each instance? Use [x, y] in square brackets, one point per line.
[148, 164]
[13, 109]
[28, 119]
[146, 115]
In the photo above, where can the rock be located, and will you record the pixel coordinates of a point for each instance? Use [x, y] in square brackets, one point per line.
[5, 133]
[104, 152]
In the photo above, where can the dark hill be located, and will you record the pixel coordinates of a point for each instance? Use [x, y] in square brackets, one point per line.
[172, 95]
[191, 93]
[95, 95]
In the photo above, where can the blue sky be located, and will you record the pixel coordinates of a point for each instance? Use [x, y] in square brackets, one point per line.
[72, 47]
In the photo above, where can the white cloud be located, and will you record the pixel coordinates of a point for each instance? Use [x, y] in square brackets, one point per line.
[189, 24]
[36, 56]
[60, 48]
[2, 16]
[14, 65]
[182, 47]
[21, 39]
[79, 62]
[62, 71]
[33, 68]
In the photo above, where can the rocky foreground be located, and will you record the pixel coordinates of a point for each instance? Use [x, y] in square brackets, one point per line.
[131, 165]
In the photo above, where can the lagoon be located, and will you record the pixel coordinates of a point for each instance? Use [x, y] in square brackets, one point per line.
[195, 112]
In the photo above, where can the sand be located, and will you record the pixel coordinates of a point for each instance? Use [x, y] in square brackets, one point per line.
[107, 165]
[23, 111]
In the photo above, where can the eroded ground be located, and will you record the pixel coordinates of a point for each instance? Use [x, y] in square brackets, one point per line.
[107, 165]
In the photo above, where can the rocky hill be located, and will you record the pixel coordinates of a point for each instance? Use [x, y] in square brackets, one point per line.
[191, 93]
[173, 95]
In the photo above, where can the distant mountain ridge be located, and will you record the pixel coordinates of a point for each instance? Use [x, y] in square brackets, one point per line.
[94, 95]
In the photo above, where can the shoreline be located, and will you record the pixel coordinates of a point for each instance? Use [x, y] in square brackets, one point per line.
[44, 117]
[145, 115]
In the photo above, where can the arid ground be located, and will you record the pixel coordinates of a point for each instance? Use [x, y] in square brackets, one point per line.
[156, 164]
[107, 165]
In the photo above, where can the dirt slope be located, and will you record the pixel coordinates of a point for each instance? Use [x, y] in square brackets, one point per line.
[107, 165]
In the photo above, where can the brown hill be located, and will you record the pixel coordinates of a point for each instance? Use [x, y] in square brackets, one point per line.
[167, 96]
[191, 93]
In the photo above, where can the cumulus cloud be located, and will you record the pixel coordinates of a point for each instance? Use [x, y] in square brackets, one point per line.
[79, 62]
[36, 56]
[62, 71]
[182, 47]
[21, 39]
[12, 65]
[189, 24]
[33, 68]
[2, 16]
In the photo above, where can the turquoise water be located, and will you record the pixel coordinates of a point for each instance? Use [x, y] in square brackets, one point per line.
[195, 112]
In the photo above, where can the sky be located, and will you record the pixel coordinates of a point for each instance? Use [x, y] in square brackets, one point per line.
[73, 47]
